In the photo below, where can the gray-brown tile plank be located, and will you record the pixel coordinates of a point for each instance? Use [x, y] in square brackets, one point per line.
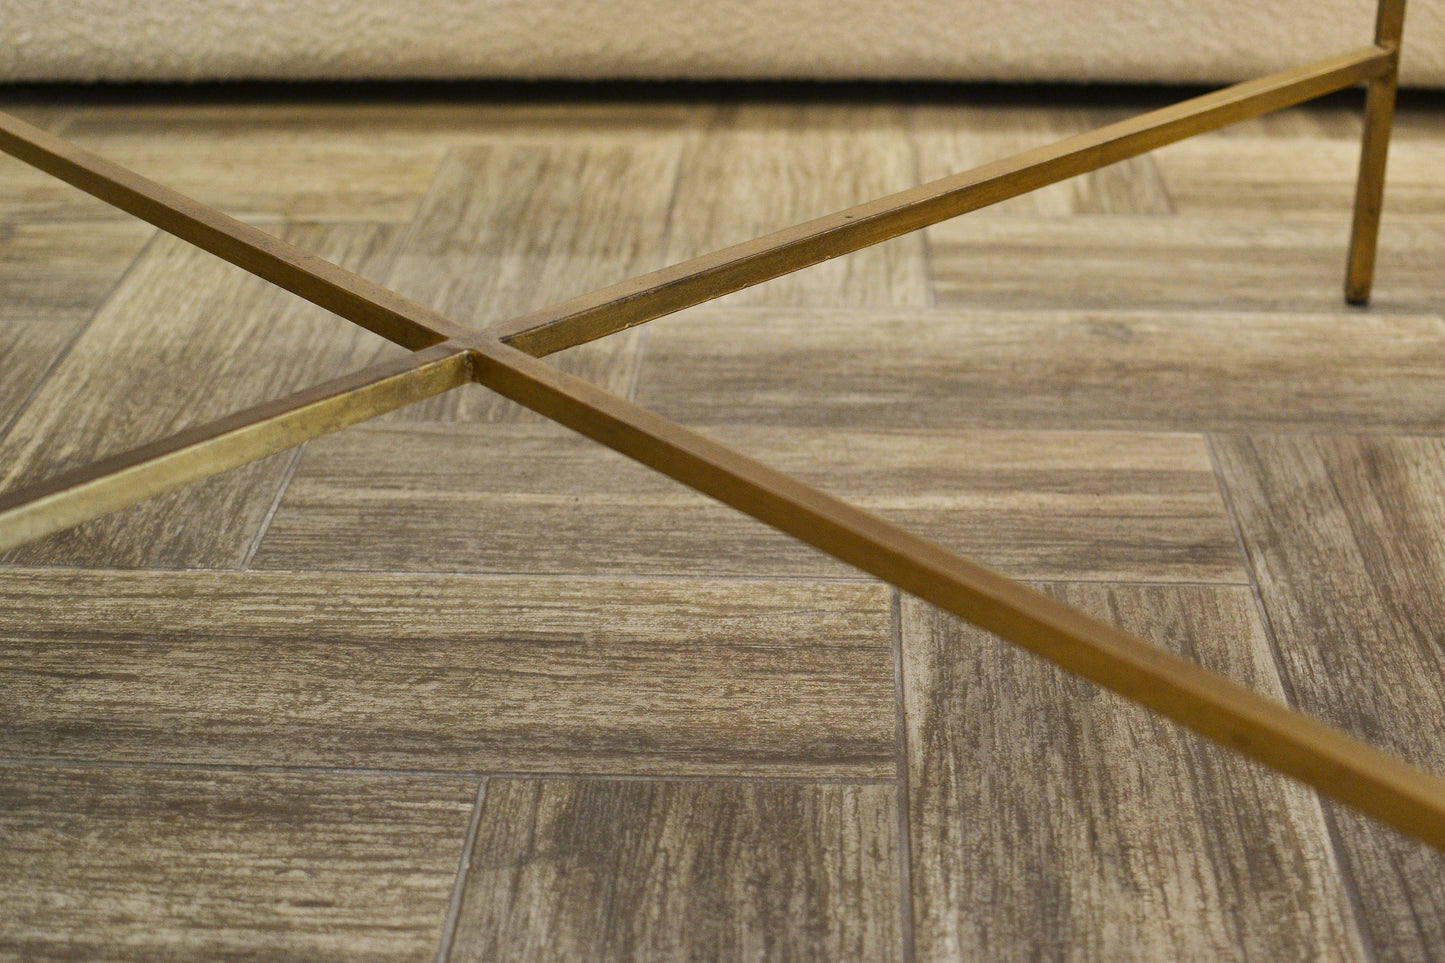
[1209, 262]
[1028, 422]
[533, 498]
[1345, 537]
[184, 339]
[510, 227]
[151, 864]
[646, 870]
[448, 673]
[53, 279]
[269, 165]
[27, 352]
[63, 272]
[763, 167]
[959, 368]
[959, 137]
[1053, 820]
[290, 159]
[1262, 176]
[31, 195]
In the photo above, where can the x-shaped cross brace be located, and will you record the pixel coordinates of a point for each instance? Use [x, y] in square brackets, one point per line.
[505, 358]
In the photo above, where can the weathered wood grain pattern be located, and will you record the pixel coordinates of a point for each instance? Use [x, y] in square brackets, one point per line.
[1260, 176]
[185, 339]
[511, 227]
[448, 673]
[958, 137]
[699, 644]
[36, 108]
[1051, 820]
[805, 161]
[1110, 368]
[27, 351]
[851, 229]
[149, 864]
[1304, 161]
[269, 167]
[63, 272]
[1348, 550]
[1047, 505]
[650, 870]
[281, 159]
[28, 194]
[1205, 262]
[425, 120]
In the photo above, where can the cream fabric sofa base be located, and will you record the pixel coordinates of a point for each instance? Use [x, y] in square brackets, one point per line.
[1152, 41]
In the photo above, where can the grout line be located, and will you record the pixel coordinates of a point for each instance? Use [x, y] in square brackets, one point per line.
[545, 576]
[905, 833]
[636, 577]
[62, 763]
[287, 474]
[1323, 806]
[57, 762]
[1142, 582]
[1242, 546]
[464, 863]
[1364, 941]
[1159, 176]
[934, 429]
[658, 777]
[1161, 583]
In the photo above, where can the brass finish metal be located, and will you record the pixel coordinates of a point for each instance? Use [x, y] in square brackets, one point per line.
[651, 296]
[1374, 146]
[654, 295]
[1211, 705]
[503, 358]
[133, 476]
[354, 298]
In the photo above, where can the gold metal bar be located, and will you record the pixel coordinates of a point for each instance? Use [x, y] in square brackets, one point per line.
[650, 296]
[1333, 762]
[1211, 705]
[123, 480]
[319, 281]
[1374, 148]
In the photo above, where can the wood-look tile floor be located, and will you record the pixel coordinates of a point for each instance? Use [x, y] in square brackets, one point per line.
[458, 685]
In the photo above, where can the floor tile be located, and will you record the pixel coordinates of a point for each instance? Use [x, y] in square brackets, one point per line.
[647, 870]
[448, 673]
[1051, 819]
[537, 499]
[1345, 539]
[148, 864]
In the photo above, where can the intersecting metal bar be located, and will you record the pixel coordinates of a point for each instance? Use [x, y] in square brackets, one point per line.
[1338, 765]
[117, 482]
[1374, 147]
[650, 296]
[1209, 704]
[319, 281]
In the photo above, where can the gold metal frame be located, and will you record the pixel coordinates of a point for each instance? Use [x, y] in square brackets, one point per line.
[505, 359]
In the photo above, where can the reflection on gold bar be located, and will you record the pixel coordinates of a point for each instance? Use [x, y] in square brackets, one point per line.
[123, 480]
